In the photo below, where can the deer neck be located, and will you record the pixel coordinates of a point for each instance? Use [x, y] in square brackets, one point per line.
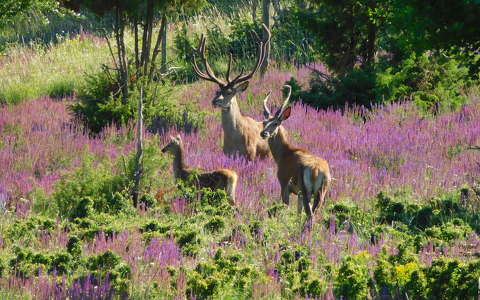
[231, 116]
[279, 145]
[179, 169]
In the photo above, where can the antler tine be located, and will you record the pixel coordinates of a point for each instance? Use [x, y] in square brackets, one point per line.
[266, 111]
[287, 100]
[229, 67]
[261, 51]
[210, 75]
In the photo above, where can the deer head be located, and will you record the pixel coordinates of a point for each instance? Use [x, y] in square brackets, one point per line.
[228, 88]
[271, 123]
[175, 143]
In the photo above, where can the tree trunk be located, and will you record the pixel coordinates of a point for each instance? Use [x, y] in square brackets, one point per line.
[163, 28]
[266, 20]
[138, 171]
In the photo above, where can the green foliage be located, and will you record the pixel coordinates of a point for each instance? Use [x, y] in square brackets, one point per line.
[9, 9]
[215, 224]
[2, 267]
[27, 229]
[352, 279]
[27, 263]
[100, 104]
[433, 82]
[91, 188]
[74, 246]
[110, 263]
[225, 272]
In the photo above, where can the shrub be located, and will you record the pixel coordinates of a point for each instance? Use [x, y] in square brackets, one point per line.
[352, 279]
[225, 273]
[100, 105]
[74, 246]
[215, 224]
[91, 188]
[433, 82]
[109, 264]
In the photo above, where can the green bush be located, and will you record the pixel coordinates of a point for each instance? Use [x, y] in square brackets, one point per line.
[225, 275]
[27, 263]
[110, 263]
[352, 279]
[433, 82]
[91, 188]
[100, 105]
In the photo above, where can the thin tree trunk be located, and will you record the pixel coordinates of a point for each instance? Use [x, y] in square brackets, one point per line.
[138, 171]
[156, 49]
[163, 29]
[266, 21]
[122, 68]
[137, 51]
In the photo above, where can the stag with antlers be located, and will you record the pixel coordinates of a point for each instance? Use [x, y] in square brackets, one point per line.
[224, 179]
[240, 133]
[298, 170]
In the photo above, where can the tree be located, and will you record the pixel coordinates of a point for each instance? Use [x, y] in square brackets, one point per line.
[266, 4]
[346, 31]
[137, 70]
[9, 9]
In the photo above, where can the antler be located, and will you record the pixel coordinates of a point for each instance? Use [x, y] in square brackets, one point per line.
[261, 52]
[266, 111]
[209, 75]
[287, 100]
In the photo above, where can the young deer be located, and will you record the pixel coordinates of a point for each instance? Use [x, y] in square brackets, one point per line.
[240, 133]
[224, 179]
[298, 169]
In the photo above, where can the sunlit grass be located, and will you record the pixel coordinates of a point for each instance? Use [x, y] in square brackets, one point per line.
[55, 71]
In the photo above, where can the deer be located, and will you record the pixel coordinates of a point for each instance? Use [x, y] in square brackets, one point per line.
[240, 133]
[298, 170]
[224, 179]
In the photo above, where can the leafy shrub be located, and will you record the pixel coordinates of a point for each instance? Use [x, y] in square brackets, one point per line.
[27, 263]
[215, 224]
[110, 264]
[225, 272]
[353, 279]
[440, 219]
[100, 105]
[189, 241]
[433, 82]
[28, 229]
[74, 246]
[91, 187]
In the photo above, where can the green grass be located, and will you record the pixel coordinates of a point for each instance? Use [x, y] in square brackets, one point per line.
[27, 73]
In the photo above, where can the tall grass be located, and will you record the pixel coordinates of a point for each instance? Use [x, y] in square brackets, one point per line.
[55, 70]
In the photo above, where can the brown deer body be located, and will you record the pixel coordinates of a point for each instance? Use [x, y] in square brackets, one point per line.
[298, 170]
[224, 179]
[241, 134]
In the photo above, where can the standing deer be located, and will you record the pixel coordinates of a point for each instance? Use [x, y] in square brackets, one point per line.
[224, 179]
[241, 134]
[298, 170]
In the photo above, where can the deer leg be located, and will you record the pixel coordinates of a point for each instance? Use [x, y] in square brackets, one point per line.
[306, 185]
[322, 192]
[299, 203]
[285, 194]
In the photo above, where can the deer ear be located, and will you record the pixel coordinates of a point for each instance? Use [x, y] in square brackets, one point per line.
[286, 113]
[242, 87]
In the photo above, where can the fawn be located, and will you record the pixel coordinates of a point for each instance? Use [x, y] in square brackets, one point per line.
[224, 179]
